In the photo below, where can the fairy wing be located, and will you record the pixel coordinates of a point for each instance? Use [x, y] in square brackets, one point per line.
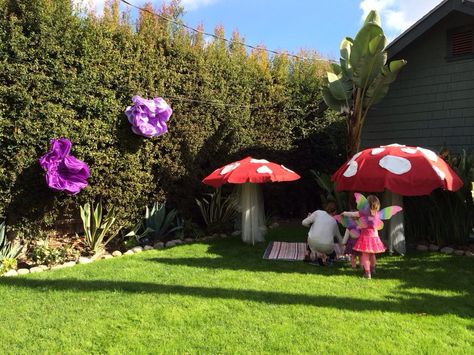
[362, 203]
[354, 232]
[388, 212]
[345, 221]
[385, 213]
[351, 222]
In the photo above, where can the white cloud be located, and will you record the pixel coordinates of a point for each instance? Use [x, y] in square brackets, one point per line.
[190, 5]
[398, 15]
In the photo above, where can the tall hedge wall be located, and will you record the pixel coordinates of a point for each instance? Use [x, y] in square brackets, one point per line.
[70, 74]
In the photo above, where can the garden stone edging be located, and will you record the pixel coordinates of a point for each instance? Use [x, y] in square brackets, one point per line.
[421, 248]
[114, 254]
[444, 250]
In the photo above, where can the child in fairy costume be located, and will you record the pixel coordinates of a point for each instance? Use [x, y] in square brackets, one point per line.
[350, 238]
[368, 221]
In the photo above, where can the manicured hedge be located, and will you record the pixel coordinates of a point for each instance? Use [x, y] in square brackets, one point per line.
[70, 74]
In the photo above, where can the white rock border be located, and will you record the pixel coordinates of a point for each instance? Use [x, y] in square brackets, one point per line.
[114, 254]
[445, 250]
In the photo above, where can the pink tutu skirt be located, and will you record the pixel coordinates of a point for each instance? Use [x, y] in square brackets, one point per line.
[369, 242]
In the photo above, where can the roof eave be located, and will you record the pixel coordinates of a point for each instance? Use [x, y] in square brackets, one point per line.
[427, 22]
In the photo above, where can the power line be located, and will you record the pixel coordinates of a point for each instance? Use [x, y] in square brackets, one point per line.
[219, 37]
[216, 102]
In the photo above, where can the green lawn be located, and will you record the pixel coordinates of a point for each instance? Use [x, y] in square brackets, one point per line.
[220, 297]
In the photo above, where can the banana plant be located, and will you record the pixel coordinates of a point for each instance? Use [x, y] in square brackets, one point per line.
[8, 250]
[362, 78]
[98, 228]
[329, 187]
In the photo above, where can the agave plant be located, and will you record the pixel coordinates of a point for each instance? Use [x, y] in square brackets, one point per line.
[157, 224]
[218, 212]
[98, 229]
[361, 79]
[8, 250]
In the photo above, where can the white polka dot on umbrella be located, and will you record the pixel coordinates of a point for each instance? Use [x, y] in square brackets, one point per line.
[428, 153]
[396, 165]
[351, 169]
[264, 170]
[228, 168]
[376, 151]
[409, 150]
[440, 173]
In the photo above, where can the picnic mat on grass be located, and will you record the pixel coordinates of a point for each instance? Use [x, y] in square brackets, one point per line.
[285, 251]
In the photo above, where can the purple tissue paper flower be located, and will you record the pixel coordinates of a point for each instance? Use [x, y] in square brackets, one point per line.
[63, 171]
[148, 117]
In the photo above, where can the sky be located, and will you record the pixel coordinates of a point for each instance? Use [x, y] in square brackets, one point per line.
[317, 25]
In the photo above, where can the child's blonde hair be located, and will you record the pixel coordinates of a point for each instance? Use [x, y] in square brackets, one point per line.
[374, 203]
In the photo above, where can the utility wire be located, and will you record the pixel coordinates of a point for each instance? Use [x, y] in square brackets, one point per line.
[216, 102]
[218, 37]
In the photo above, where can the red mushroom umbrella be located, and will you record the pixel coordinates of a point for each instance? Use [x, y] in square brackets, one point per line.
[249, 172]
[404, 170]
[407, 171]
[252, 170]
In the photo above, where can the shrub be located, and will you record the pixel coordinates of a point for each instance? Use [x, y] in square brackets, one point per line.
[7, 264]
[64, 74]
[44, 254]
[444, 217]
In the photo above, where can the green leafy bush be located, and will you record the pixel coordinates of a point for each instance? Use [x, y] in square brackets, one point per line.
[7, 264]
[44, 254]
[64, 74]
[192, 230]
[444, 217]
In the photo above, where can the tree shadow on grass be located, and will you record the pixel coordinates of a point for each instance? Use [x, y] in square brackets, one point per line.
[420, 271]
[435, 272]
[416, 304]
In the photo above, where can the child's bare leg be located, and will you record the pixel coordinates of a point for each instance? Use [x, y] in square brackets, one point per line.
[353, 261]
[373, 262]
[365, 260]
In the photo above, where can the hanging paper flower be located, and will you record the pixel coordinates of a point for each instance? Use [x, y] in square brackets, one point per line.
[63, 171]
[148, 117]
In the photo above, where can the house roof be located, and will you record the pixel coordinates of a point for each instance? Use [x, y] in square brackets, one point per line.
[428, 21]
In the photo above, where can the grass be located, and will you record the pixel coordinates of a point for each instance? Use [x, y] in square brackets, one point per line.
[220, 297]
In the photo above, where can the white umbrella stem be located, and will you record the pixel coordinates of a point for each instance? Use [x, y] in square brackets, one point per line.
[395, 230]
[253, 217]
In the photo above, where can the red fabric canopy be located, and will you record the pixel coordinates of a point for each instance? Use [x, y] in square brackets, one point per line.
[407, 171]
[250, 170]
